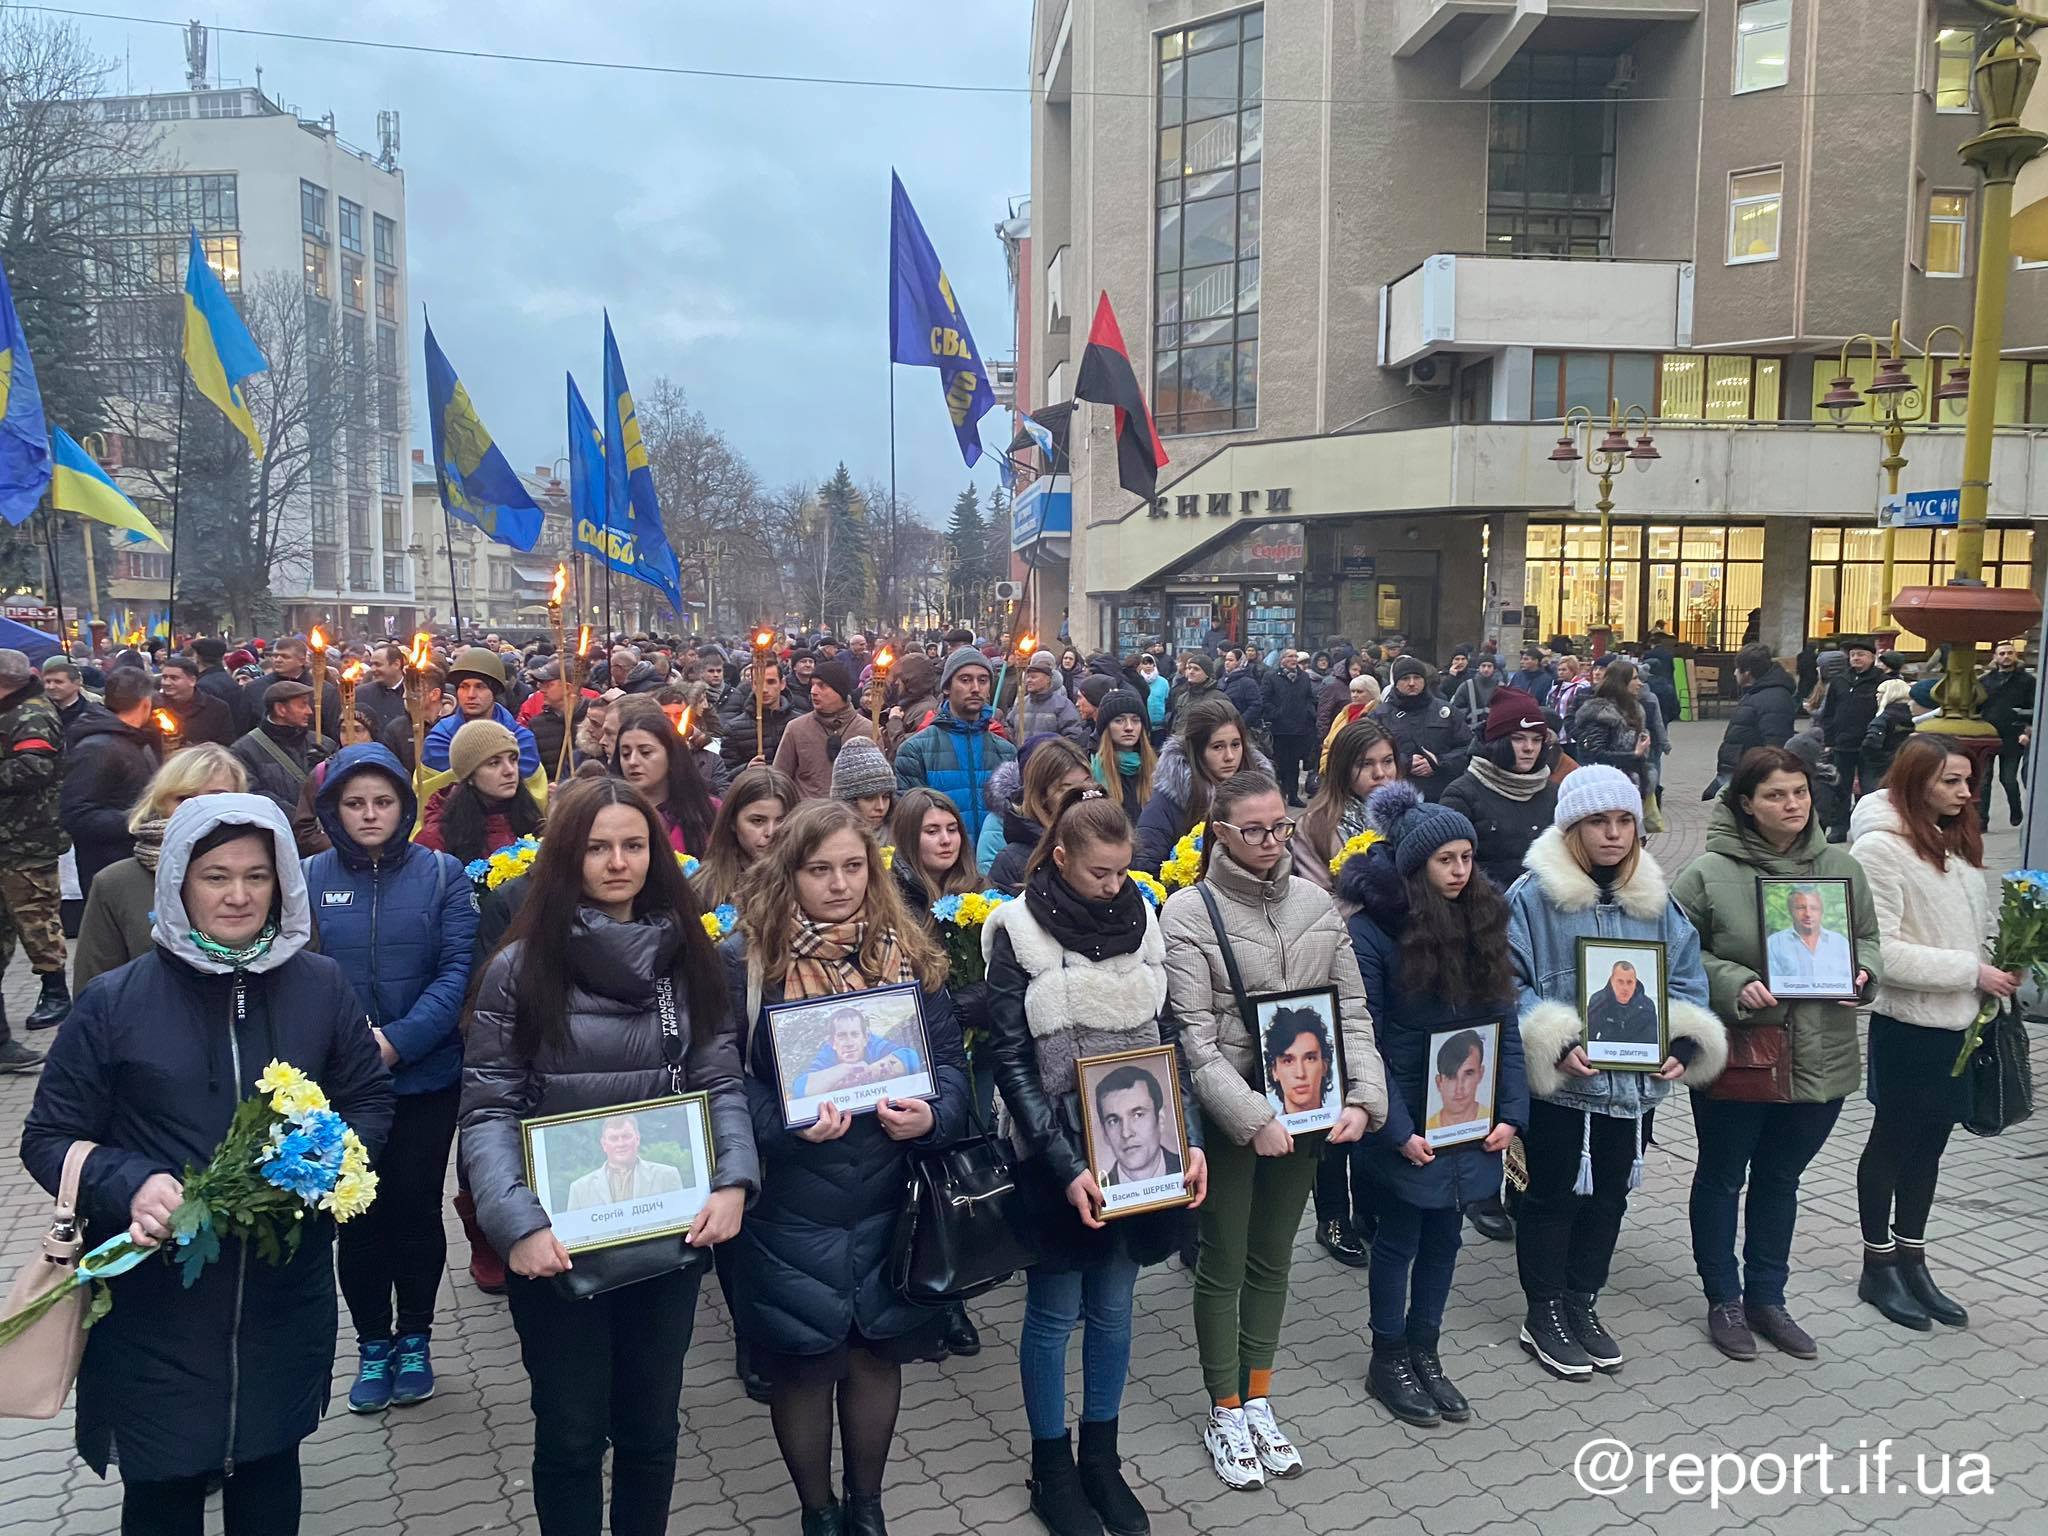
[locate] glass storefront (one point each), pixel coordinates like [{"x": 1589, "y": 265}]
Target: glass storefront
[
  {"x": 1699, "y": 580},
  {"x": 1845, "y": 592}
]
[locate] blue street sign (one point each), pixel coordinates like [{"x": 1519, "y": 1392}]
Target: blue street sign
[{"x": 1921, "y": 509}]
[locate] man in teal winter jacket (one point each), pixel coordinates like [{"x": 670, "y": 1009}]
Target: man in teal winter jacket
[{"x": 958, "y": 752}]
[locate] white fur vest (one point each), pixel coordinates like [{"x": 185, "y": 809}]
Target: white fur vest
[{"x": 1079, "y": 1007}]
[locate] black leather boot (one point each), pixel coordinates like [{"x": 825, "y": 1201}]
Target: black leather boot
[
  {"x": 1392, "y": 1379},
  {"x": 864, "y": 1514},
  {"x": 829, "y": 1521},
  {"x": 54, "y": 1006},
  {"x": 1912, "y": 1267},
  {"x": 962, "y": 1338},
  {"x": 1490, "y": 1219},
  {"x": 1057, "y": 1496},
  {"x": 1102, "y": 1479},
  {"x": 1884, "y": 1286},
  {"x": 1429, "y": 1370}
]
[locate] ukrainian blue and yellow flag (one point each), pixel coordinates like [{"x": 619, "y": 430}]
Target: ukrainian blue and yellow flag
[
  {"x": 926, "y": 327},
  {"x": 631, "y": 506},
  {"x": 218, "y": 348},
  {"x": 24, "y": 438},
  {"x": 79, "y": 485},
  {"x": 477, "y": 485}
]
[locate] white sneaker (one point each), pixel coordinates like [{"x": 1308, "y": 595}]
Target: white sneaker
[
  {"x": 1276, "y": 1452},
  {"x": 1230, "y": 1448}
]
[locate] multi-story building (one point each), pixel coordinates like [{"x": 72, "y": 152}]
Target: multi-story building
[
  {"x": 1368, "y": 253},
  {"x": 270, "y": 192}
]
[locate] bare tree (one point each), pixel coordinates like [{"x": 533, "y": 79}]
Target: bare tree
[{"x": 711, "y": 505}]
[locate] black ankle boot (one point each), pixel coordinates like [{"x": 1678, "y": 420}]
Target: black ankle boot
[
  {"x": 1883, "y": 1285},
  {"x": 1429, "y": 1370},
  {"x": 829, "y": 1521},
  {"x": 1102, "y": 1479},
  {"x": 1057, "y": 1495},
  {"x": 1912, "y": 1268},
  {"x": 962, "y": 1338},
  {"x": 864, "y": 1514},
  {"x": 54, "y": 1006},
  {"x": 1393, "y": 1381}
]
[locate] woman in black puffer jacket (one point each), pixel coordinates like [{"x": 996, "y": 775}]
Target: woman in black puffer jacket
[
  {"x": 570, "y": 1022},
  {"x": 822, "y": 1321}
]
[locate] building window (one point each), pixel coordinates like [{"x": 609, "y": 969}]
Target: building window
[
  {"x": 1755, "y": 199},
  {"x": 359, "y": 570},
  {"x": 316, "y": 271},
  {"x": 1693, "y": 387},
  {"x": 387, "y": 294},
  {"x": 387, "y": 349},
  {"x": 1699, "y": 580},
  {"x": 313, "y": 210},
  {"x": 1948, "y": 229},
  {"x": 323, "y": 518},
  {"x": 1846, "y": 591},
  {"x": 221, "y": 104},
  {"x": 1763, "y": 35},
  {"x": 387, "y": 240},
  {"x": 351, "y": 226},
  {"x": 394, "y": 523},
  {"x": 1205, "y": 357},
  {"x": 168, "y": 109},
  {"x": 394, "y": 573},
  {"x": 323, "y": 569},
  {"x": 1955, "y": 57},
  {"x": 1550, "y": 157},
  {"x": 352, "y": 282},
  {"x": 387, "y": 469}
]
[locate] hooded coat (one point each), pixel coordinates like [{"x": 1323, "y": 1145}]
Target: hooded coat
[
  {"x": 1718, "y": 892},
  {"x": 1550, "y": 909},
  {"x": 1403, "y": 1024},
  {"x": 1763, "y": 717},
  {"x": 1052, "y": 715},
  {"x": 403, "y": 926},
  {"x": 151, "y": 1065},
  {"x": 1165, "y": 819},
  {"x": 1020, "y": 833}
]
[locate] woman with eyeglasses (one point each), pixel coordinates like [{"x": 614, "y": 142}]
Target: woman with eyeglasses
[{"x": 1279, "y": 934}]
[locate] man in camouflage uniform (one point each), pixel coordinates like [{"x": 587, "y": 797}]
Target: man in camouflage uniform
[{"x": 31, "y": 842}]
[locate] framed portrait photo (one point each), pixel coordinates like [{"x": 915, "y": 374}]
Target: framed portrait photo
[
  {"x": 1298, "y": 1045},
  {"x": 622, "y": 1174},
  {"x": 856, "y": 1050},
  {"x": 1809, "y": 937},
  {"x": 1625, "y": 1003},
  {"x": 1131, "y": 1121},
  {"x": 1464, "y": 1076}
]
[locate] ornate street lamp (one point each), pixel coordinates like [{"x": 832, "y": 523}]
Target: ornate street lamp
[{"x": 1605, "y": 461}]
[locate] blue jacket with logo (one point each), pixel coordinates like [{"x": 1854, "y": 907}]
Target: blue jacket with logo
[
  {"x": 436, "y": 753},
  {"x": 402, "y": 928},
  {"x": 956, "y": 757}
]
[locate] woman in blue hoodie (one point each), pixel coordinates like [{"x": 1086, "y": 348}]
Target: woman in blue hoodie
[{"x": 400, "y": 921}]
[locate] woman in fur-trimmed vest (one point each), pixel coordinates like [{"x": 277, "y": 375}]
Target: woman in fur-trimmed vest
[
  {"x": 1590, "y": 878},
  {"x": 1077, "y": 968}
]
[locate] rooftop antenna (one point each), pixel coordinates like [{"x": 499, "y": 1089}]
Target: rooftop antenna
[
  {"x": 387, "y": 139},
  {"x": 195, "y": 56}
]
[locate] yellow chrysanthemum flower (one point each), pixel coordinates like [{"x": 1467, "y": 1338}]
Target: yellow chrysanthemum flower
[
  {"x": 713, "y": 928},
  {"x": 355, "y": 1157},
  {"x": 1149, "y": 883},
  {"x": 298, "y": 1098},
  {"x": 279, "y": 1074},
  {"x": 889, "y": 857},
  {"x": 353, "y": 1194},
  {"x": 1356, "y": 845}
]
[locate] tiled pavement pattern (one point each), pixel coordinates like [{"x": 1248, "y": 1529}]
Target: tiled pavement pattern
[{"x": 460, "y": 1462}]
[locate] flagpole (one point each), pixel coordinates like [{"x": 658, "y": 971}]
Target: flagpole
[
  {"x": 177, "y": 491},
  {"x": 892, "y": 469},
  {"x": 56, "y": 576},
  {"x": 448, "y": 542}
]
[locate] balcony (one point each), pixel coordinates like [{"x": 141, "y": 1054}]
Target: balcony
[
  {"x": 1457, "y": 303},
  {"x": 1491, "y": 32}
]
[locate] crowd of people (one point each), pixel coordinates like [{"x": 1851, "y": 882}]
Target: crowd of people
[{"x": 1430, "y": 852}]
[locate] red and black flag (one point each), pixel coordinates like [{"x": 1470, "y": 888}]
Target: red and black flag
[{"x": 1107, "y": 378}]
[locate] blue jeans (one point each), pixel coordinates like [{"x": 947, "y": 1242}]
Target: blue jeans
[
  {"x": 1054, "y": 1302},
  {"x": 1414, "y": 1254},
  {"x": 1769, "y": 1145}
]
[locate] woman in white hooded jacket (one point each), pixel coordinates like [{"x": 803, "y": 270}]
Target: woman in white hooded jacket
[
  {"x": 1589, "y": 877},
  {"x": 1919, "y": 843}
]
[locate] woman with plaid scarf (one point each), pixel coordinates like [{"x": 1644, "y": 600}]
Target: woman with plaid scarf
[{"x": 820, "y": 917}]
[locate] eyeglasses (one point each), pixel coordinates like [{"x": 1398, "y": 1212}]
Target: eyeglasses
[{"x": 1259, "y": 837}]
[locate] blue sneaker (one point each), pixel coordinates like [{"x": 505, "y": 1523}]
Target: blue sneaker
[
  {"x": 372, "y": 1391},
  {"x": 415, "y": 1379}
]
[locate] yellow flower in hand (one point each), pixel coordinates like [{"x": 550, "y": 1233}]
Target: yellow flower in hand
[
  {"x": 300, "y": 1098},
  {"x": 355, "y": 1157},
  {"x": 353, "y": 1194},
  {"x": 279, "y": 1074}
]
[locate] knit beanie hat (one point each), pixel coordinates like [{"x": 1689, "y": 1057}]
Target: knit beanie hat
[
  {"x": 1116, "y": 702},
  {"x": 1590, "y": 790},
  {"x": 966, "y": 656},
  {"x": 1408, "y": 666},
  {"x": 1413, "y": 827},
  {"x": 860, "y": 769},
  {"x": 1044, "y": 661},
  {"x": 1203, "y": 661},
  {"x": 475, "y": 742},
  {"x": 1095, "y": 690},
  {"x": 836, "y": 675},
  {"x": 1513, "y": 710}
]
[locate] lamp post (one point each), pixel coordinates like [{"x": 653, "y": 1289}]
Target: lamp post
[
  {"x": 1901, "y": 401},
  {"x": 1604, "y": 462}
]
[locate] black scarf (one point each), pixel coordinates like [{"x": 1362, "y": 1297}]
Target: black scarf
[{"x": 1095, "y": 929}]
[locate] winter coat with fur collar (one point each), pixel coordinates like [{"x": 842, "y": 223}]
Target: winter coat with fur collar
[
  {"x": 1550, "y": 909},
  {"x": 1931, "y": 922}
]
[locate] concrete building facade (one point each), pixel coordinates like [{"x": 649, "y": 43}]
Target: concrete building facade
[{"x": 1367, "y": 254}]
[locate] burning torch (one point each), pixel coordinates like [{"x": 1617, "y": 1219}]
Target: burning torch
[
  {"x": 764, "y": 647},
  {"x": 316, "y": 641},
  {"x": 417, "y": 660},
  {"x": 350, "y": 676},
  {"x": 572, "y": 695},
  {"x": 168, "y": 728},
  {"x": 1026, "y": 644},
  {"x": 878, "y": 691}
]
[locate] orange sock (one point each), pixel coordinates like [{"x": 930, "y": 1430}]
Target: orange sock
[
  {"x": 1232, "y": 1401},
  {"x": 1261, "y": 1384}
]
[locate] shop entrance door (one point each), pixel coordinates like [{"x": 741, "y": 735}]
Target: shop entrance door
[{"x": 1407, "y": 600}]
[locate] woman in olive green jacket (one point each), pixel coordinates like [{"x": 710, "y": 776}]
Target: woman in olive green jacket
[{"x": 1791, "y": 1063}]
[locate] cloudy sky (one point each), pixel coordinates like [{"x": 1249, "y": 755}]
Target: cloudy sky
[{"x": 738, "y": 230}]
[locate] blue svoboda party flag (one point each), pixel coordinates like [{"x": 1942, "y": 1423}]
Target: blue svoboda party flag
[
  {"x": 218, "y": 348},
  {"x": 477, "y": 485},
  {"x": 632, "y": 510},
  {"x": 617, "y": 548},
  {"x": 24, "y": 437},
  {"x": 926, "y": 328}
]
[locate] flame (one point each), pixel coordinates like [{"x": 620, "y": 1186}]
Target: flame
[
  {"x": 422, "y": 654},
  {"x": 683, "y": 722},
  {"x": 884, "y": 659},
  {"x": 1026, "y": 644},
  {"x": 167, "y": 723},
  {"x": 561, "y": 586},
  {"x": 583, "y": 641},
  {"x": 764, "y": 639},
  {"x": 353, "y": 673},
  {"x": 317, "y": 639}
]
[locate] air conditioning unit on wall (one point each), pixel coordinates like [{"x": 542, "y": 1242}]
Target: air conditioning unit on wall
[
  {"x": 1431, "y": 372},
  {"x": 1009, "y": 591}
]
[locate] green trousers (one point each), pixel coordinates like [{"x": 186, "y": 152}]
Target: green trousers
[{"x": 1248, "y": 1225}]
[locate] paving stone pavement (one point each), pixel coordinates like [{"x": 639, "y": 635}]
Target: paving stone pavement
[{"x": 460, "y": 1462}]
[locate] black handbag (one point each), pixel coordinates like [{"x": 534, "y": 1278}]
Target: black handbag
[
  {"x": 961, "y": 1230},
  {"x": 2000, "y": 1074},
  {"x": 609, "y": 1269}
]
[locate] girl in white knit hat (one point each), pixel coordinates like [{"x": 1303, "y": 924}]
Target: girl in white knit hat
[{"x": 1589, "y": 877}]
